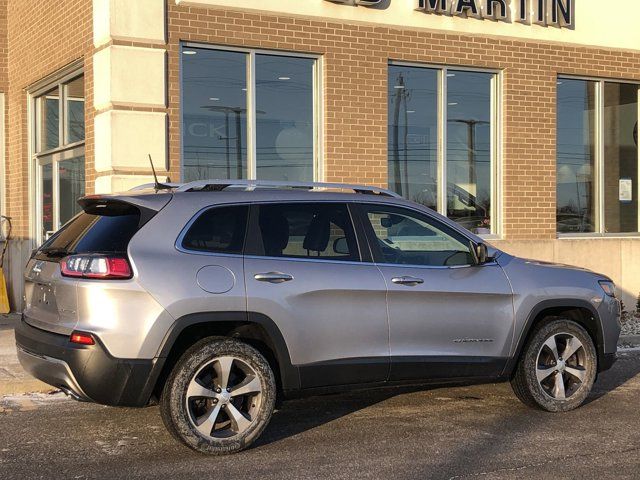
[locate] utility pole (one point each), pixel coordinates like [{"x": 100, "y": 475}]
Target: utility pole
[{"x": 397, "y": 100}]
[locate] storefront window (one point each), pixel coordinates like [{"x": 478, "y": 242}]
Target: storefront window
[
  {"x": 59, "y": 151},
  {"x": 620, "y": 158},
  {"x": 576, "y": 156},
  {"x": 469, "y": 149},
  {"x": 49, "y": 120},
  {"x": 214, "y": 109},
  {"x": 456, "y": 176},
  {"x": 47, "y": 197},
  {"x": 413, "y": 133},
  {"x": 284, "y": 129},
  {"x": 74, "y": 98},
  {"x": 248, "y": 114},
  {"x": 71, "y": 182},
  {"x": 597, "y": 188}
]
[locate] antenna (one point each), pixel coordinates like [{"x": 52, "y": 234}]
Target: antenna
[{"x": 157, "y": 185}]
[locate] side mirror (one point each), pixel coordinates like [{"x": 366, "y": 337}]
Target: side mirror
[
  {"x": 480, "y": 253},
  {"x": 341, "y": 246}
]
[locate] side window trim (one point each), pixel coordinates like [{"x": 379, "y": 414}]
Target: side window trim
[
  {"x": 253, "y": 240},
  {"x": 365, "y": 233},
  {"x": 372, "y": 238},
  {"x": 180, "y": 240}
]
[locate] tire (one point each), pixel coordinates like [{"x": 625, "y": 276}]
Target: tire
[
  {"x": 547, "y": 380},
  {"x": 205, "y": 416}
]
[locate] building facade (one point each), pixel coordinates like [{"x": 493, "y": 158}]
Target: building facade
[{"x": 516, "y": 118}]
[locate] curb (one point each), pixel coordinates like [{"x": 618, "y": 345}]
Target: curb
[{"x": 629, "y": 340}]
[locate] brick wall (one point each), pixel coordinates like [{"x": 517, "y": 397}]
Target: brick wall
[
  {"x": 355, "y": 93},
  {"x": 42, "y": 37}
]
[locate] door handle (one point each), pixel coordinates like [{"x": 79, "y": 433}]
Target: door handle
[
  {"x": 273, "y": 277},
  {"x": 408, "y": 281}
]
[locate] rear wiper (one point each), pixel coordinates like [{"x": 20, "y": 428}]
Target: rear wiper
[{"x": 55, "y": 252}]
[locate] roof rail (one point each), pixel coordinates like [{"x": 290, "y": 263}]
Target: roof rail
[
  {"x": 146, "y": 186},
  {"x": 219, "y": 185}
]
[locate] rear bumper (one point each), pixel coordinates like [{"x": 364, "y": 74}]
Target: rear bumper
[{"x": 88, "y": 373}]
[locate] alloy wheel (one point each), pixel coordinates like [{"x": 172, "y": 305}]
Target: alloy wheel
[
  {"x": 223, "y": 397},
  {"x": 561, "y": 366}
]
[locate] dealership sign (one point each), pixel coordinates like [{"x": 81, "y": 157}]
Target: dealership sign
[{"x": 557, "y": 13}]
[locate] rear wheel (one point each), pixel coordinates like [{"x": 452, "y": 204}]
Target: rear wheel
[
  {"x": 557, "y": 368},
  {"x": 219, "y": 397}
]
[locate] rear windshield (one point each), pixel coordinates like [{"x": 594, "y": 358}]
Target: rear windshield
[{"x": 101, "y": 230}]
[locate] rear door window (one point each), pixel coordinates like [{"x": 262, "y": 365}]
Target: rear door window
[
  {"x": 322, "y": 231},
  {"x": 218, "y": 230}
]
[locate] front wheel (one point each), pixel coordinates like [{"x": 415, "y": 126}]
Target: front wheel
[
  {"x": 219, "y": 397},
  {"x": 557, "y": 368}
]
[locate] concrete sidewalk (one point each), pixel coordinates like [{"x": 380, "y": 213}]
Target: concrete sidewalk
[{"x": 13, "y": 379}]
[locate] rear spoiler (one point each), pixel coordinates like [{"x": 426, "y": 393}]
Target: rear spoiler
[{"x": 147, "y": 204}]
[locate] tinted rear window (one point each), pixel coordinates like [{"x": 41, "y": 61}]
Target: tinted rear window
[
  {"x": 108, "y": 231},
  {"x": 218, "y": 230}
]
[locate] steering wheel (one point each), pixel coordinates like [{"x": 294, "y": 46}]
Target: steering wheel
[{"x": 390, "y": 254}]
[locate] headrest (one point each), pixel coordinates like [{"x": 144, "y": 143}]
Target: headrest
[
  {"x": 317, "y": 238},
  {"x": 275, "y": 232}
]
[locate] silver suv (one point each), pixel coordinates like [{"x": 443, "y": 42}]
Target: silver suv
[{"x": 213, "y": 298}]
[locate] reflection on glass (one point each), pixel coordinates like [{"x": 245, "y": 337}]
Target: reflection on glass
[
  {"x": 49, "y": 126},
  {"x": 75, "y": 110},
  {"x": 413, "y": 133},
  {"x": 71, "y": 185},
  {"x": 46, "y": 189},
  {"x": 576, "y": 156},
  {"x": 469, "y": 149},
  {"x": 214, "y": 114},
  {"x": 284, "y": 118},
  {"x": 620, "y": 158}
]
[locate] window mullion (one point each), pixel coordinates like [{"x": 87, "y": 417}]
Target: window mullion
[
  {"x": 318, "y": 162},
  {"x": 251, "y": 116},
  {"x": 61, "y": 114},
  {"x": 495, "y": 156},
  {"x": 599, "y": 173},
  {"x": 442, "y": 140}
]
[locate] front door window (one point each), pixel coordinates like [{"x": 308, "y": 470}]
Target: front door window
[{"x": 404, "y": 237}]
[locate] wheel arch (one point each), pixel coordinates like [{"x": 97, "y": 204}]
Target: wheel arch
[
  {"x": 580, "y": 311},
  {"x": 255, "y": 329}
]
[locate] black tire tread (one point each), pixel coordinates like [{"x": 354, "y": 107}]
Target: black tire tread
[
  {"x": 171, "y": 398},
  {"x": 524, "y": 387}
]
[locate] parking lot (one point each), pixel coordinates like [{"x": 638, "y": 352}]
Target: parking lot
[{"x": 453, "y": 432}]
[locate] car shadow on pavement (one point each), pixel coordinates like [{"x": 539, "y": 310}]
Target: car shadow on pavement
[
  {"x": 626, "y": 367},
  {"x": 300, "y": 415}
]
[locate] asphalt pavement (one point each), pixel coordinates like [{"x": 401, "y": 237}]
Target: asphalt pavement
[{"x": 450, "y": 433}]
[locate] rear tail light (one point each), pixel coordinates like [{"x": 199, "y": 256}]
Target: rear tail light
[
  {"x": 82, "y": 338},
  {"x": 96, "y": 266}
]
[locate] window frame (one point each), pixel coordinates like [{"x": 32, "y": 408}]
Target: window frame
[
  {"x": 254, "y": 247},
  {"x": 372, "y": 238},
  {"x": 53, "y": 156},
  {"x": 599, "y": 160},
  {"x": 318, "y": 106},
  {"x": 496, "y": 148}
]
